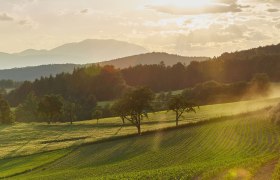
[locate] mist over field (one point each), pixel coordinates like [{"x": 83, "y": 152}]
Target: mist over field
[{"x": 140, "y": 89}]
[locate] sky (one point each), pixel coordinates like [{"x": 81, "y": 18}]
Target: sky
[{"x": 184, "y": 27}]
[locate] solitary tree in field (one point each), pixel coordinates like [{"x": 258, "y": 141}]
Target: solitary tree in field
[
  {"x": 50, "y": 106},
  {"x": 97, "y": 114},
  {"x": 179, "y": 105},
  {"x": 5, "y": 112},
  {"x": 118, "y": 109},
  {"x": 69, "y": 111},
  {"x": 133, "y": 106}
]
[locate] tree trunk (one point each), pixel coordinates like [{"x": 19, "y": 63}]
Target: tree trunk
[
  {"x": 177, "y": 119},
  {"x": 139, "y": 129},
  {"x": 49, "y": 119},
  {"x": 122, "y": 120}
]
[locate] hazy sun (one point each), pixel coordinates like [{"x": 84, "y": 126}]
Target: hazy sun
[{"x": 186, "y": 3}]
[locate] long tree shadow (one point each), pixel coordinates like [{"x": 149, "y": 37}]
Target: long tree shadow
[
  {"x": 118, "y": 130},
  {"x": 68, "y": 127},
  {"x": 14, "y": 152},
  {"x": 3, "y": 127}
]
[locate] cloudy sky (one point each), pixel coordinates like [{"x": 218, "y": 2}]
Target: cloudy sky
[{"x": 185, "y": 27}]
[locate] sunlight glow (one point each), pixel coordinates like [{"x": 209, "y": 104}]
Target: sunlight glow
[{"x": 190, "y": 4}]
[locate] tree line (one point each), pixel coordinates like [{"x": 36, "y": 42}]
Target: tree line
[
  {"x": 85, "y": 86},
  {"x": 133, "y": 107},
  {"x": 54, "y": 108},
  {"x": 9, "y": 84},
  {"x": 223, "y": 79},
  {"x": 228, "y": 68},
  {"x": 107, "y": 83}
]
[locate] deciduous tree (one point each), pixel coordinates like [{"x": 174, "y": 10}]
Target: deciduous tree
[
  {"x": 5, "y": 112},
  {"x": 50, "y": 106},
  {"x": 179, "y": 105},
  {"x": 97, "y": 114},
  {"x": 134, "y": 105}
]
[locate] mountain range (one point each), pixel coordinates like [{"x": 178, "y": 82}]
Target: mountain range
[
  {"x": 87, "y": 51},
  {"x": 34, "y": 72}
]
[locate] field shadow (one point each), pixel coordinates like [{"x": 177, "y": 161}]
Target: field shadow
[
  {"x": 69, "y": 127},
  {"x": 13, "y": 152},
  {"x": 3, "y": 127},
  {"x": 118, "y": 130}
]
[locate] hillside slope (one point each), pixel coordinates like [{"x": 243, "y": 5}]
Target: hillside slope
[
  {"x": 236, "y": 147},
  {"x": 22, "y": 139},
  {"x": 31, "y": 73},
  {"x": 151, "y": 58}
]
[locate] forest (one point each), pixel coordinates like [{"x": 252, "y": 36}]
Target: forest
[
  {"x": 228, "y": 78},
  {"x": 108, "y": 83}
]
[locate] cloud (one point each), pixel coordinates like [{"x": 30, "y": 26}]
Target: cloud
[
  {"x": 215, "y": 34},
  {"x": 219, "y": 6},
  {"x": 277, "y": 26},
  {"x": 66, "y": 12},
  {"x": 84, "y": 11},
  {"x": 28, "y": 22},
  {"x": 22, "y": 22},
  {"x": 272, "y": 10},
  {"x": 5, "y": 17},
  {"x": 269, "y": 1},
  {"x": 257, "y": 36}
]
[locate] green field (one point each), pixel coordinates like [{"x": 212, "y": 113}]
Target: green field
[{"x": 222, "y": 148}]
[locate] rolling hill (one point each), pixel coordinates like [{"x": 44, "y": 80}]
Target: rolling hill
[
  {"x": 151, "y": 58},
  {"x": 231, "y": 149},
  {"x": 87, "y": 51},
  {"x": 238, "y": 146},
  {"x": 31, "y": 73}
]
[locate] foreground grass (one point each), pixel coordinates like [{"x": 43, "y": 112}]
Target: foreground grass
[
  {"x": 14, "y": 166},
  {"x": 276, "y": 174},
  {"x": 240, "y": 143},
  {"x": 24, "y": 139}
]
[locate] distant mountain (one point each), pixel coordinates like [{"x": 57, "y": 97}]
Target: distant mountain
[
  {"x": 152, "y": 58},
  {"x": 259, "y": 51},
  {"x": 31, "y": 73},
  {"x": 87, "y": 51}
]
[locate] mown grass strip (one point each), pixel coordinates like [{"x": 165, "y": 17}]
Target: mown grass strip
[
  {"x": 15, "y": 166},
  {"x": 276, "y": 173}
]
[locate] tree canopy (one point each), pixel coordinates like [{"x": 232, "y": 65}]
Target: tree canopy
[
  {"x": 5, "y": 112},
  {"x": 179, "y": 104},
  {"x": 51, "y": 107},
  {"x": 134, "y": 106}
]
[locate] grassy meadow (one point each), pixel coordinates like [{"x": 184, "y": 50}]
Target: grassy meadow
[
  {"x": 226, "y": 148},
  {"x": 29, "y": 138},
  {"x": 54, "y": 151}
]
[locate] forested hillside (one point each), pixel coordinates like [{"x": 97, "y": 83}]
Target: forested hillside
[
  {"x": 107, "y": 83},
  {"x": 151, "y": 58},
  {"x": 35, "y": 72}
]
